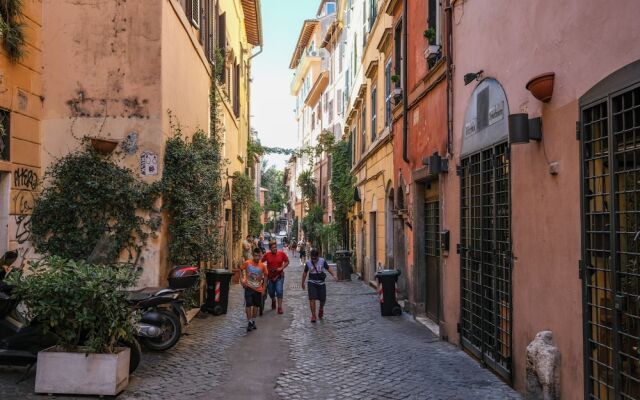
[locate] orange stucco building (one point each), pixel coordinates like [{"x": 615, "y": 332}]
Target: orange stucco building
[{"x": 21, "y": 113}]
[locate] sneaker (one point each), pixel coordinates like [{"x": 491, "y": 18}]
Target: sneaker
[
  {"x": 280, "y": 310},
  {"x": 313, "y": 319},
  {"x": 249, "y": 327},
  {"x": 253, "y": 325},
  {"x": 273, "y": 304},
  {"x": 321, "y": 313}
]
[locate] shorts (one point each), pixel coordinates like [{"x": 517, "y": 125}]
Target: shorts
[
  {"x": 252, "y": 298},
  {"x": 317, "y": 292},
  {"x": 276, "y": 288}
]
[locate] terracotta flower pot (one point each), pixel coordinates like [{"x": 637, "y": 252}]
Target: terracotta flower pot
[
  {"x": 104, "y": 146},
  {"x": 541, "y": 86}
]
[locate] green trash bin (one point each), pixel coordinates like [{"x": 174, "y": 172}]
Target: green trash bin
[
  {"x": 388, "y": 292},
  {"x": 343, "y": 265}
]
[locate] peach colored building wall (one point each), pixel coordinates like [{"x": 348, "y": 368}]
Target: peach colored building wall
[
  {"x": 111, "y": 70},
  {"x": 582, "y": 42},
  {"x": 21, "y": 97}
]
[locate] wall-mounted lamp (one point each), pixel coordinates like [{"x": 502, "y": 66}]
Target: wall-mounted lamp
[
  {"x": 470, "y": 77},
  {"x": 522, "y": 129},
  {"x": 437, "y": 165}
]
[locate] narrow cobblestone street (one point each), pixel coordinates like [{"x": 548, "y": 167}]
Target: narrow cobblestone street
[{"x": 353, "y": 353}]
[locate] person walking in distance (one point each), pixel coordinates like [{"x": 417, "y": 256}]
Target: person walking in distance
[
  {"x": 303, "y": 251},
  {"x": 314, "y": 268},
  {"x": 277, "y": 261},
  {"x": 254, "y": 280}
]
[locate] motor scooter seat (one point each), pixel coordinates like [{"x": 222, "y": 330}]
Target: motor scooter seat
[{"x": 141, "y": 294}]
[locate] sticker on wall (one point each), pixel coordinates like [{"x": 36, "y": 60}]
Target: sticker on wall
[
  {"x": 149, "y": 163},
  {"x": 130, "y": 143}
]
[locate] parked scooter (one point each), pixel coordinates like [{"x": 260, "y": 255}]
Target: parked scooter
[
  {"x": 22, "y": 339},
  {"x": 160, "y": 324}
]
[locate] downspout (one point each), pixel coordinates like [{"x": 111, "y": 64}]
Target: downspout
[
  {"x": 449, "y": 39},
  {"x": 405, "y": 85}
]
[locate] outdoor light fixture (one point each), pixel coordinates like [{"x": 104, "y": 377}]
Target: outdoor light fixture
[
  {"x": 522, "y": 129},
  {"x": 437, "y": 164},
  {"x": 470, "y": 77}
]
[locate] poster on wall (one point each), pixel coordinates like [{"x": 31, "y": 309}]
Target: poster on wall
[{"x": 149, "y": 163}]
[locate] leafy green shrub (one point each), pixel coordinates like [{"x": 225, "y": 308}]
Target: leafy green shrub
[
  {"x": 342, "y": 189},
  {"x": 85, "y": 196},
  {"x": 83, "y": 304},
  {"x": 255, "y": 227}
]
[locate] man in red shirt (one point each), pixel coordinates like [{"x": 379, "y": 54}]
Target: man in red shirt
[{"x": 276, "y": 261}]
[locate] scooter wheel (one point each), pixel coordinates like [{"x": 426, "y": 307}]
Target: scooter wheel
[
  {"x": 172, "y": 331},
  {"x": 135, "y": 354}
]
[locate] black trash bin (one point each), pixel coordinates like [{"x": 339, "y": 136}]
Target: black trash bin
[
  {"x": 387, "y": 290},
  {"x": 343, "y": 265},
  {"x": 217, "y": 293}
]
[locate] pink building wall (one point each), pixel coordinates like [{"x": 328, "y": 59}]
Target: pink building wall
[{"x": 582, "y": 41}]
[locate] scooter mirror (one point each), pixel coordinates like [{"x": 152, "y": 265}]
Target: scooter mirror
[{"x": 9, "y": 257}]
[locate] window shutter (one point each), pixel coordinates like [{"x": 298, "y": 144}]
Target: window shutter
[{"x": 195, "y": 12}]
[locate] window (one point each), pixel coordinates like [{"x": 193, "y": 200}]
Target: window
[
  {"x": 313, "y": 121},
  {"x": 340, "y": 57},
  {"x": 373, "y": 12},
  {"x": 355, "y": 54},
  {"x": 330, "y": 111},
  {"x": 363, "y": 129},
  {"x": 222, "y": 44},
  {"x": 433, "y": 20},
  {"x": 374, "y": 106},
  {"x": 5, "y": 135},
  {"x": 236, "y": 90},
  {"x": 339, "y": 101},
  {"x": 387, "y": 94},
  {"x": 352, "y": 146},
  {"x": 398, "y": 49},
  {"x": 331, "y": 8},
  {"x": 209, "y": 29},
  {"x": 193, "y": 12}
]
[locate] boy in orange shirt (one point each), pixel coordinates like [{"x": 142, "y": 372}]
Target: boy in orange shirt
[{"x": 254, "y": 280}]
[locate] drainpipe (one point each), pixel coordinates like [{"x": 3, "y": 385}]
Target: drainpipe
[
  {"x": 449, "y": 39},
  {"x": 405, "y": 94}
]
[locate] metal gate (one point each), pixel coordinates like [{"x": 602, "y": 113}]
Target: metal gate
[
  {"x": 611, "y": 245},
  {"x": 432, "y": 254},
  {"x": 485, "y": 257}
]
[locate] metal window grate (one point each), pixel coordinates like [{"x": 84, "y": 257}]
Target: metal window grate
[
  {"x": 5, "y": 135},
  {"x": 486, "y": 257},
  {"x": 611, "y": 224},
  {"x": 432, "y": 228}
]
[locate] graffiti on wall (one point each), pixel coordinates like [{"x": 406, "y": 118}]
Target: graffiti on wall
[
  {"x": 83, "y": 105},
  {"x": 25, "y": 178}
]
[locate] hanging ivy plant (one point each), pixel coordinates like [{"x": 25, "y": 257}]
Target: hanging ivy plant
[
  {"x": 192, "y": 190},
  {"x": 342, "y": 187},
  {"x": 255, "y": 227},
  {"x": 87, "y": 195},
  {"x": 192, "y": 196},
  {"x": 242, "y": 193},
  {"x": 12, "y": 28}
]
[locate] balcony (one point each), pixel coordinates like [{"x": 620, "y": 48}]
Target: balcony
[{"x": 308, "y": 58}]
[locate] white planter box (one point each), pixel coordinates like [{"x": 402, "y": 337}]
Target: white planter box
[{"x": 82, "y": 373}]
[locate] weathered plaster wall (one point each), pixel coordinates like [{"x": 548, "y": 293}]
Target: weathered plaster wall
[{"x": 512, "y": 42}]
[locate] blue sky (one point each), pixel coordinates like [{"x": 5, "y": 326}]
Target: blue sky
[{"x": 271, "y": 104}]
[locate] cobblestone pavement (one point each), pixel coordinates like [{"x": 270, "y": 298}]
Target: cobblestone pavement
[{"x": 354, "y": 353}]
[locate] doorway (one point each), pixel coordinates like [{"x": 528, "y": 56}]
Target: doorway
[
  {"x": 432, "y": 250},
  {"x": 610, "y": 164},
  {"x": 373, "y": 234},
  {"x": 485, "y": 257}
]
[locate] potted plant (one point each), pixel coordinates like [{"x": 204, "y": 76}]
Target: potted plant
[
  {"x": 104, "y": 146},
  {"x": 397, "y": 90},
  {"x": 432, "y": 50},
  {"x": 85, "y": 307}
]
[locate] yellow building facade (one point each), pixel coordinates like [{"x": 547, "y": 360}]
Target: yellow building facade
[
  {"x": 141, "y": 69},
  {"x": 20, "y": 133},
  {"x": 368, "y": 127}
]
